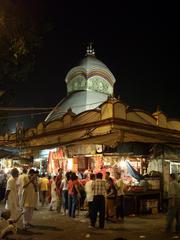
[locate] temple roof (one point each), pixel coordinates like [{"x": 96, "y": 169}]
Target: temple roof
[
  {"x": 78, "y": 102},
  {"x": 88, "y": 85}
]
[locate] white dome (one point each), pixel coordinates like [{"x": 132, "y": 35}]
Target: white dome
[
  {"x": 88, "y": 86},
  {"x": 89, "y": 66},
  {"x": 90, "y": 62}
]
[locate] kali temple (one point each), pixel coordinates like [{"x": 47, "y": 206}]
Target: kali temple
[{"x": 90, "y": 128}]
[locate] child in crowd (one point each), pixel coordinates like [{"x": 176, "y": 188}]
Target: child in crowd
[{"x": 6, "y": 224}]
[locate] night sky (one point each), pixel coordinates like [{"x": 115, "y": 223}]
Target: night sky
[{"x": 137, "y": 40}]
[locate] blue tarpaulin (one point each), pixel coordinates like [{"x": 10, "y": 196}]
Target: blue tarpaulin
[{"x": 133, "y": 172}]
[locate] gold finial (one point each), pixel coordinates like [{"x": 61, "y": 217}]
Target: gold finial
[{"x": 90, "y": 50}]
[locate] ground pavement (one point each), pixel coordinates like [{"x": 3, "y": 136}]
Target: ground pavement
[{"x": 50, "y": 225}]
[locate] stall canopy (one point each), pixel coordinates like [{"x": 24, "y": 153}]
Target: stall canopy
[
  {"x": 133, "y": 148},
  {"x": 146, "y": 149},
  {"x": 8, "y": 151},
  {"x": 165, "y": 151}
]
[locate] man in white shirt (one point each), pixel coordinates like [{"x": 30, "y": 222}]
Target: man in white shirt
[
  {"x": 20, "y": 185},
  {"x": 11, "y": 195},
  {"x": 90, "y": 195},
  {"x": 29, "y": 198}
]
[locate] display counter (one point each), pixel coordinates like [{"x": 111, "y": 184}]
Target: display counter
[{"x": 142, "y": 202}]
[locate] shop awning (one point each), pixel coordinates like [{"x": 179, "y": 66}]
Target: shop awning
[
  {"x": 8, "y": 151},
  {"x": 165, "y": 151},
  {"x": 134, "y": 148}
]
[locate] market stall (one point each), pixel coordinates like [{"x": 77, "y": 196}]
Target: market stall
[{"x": 143, "y": 193}]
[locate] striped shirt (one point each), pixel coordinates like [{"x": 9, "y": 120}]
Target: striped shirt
[{"x": 99, "y": 187}]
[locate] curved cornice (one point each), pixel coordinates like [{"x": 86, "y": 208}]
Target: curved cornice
[
  {"x": 136, "y": 110},
  {"x": 99, "y": 122},
  {"x": 95, "y": 71}
]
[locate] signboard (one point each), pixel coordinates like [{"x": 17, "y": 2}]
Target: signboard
[{"x": 83, "y": 149}]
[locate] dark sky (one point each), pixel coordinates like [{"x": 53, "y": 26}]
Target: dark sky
[{"x": 137, "y": 40}]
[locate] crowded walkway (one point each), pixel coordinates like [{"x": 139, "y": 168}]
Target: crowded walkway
[
  {"x": 52, "y": 225},
  {"x": 69, "y": 206}
]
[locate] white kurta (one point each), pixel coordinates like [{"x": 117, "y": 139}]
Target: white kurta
[
  {"x": 53, "y": 191},
  {"x": 12, "y": 201},
  {"x": 20, "y": 187},
  {"x": 89, "y": 191}
]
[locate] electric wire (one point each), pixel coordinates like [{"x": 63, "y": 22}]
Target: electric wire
[
  {"x": 24, "y": 115},
  {"x": 34, "y": 109}
]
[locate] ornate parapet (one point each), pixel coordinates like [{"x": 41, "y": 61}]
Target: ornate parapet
[{"x": 111, "y": 122}]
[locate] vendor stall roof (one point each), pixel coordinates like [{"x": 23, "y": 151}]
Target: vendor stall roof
[
  {"x": 8, "y": 151},
  {"x": 132, "y": 148}
]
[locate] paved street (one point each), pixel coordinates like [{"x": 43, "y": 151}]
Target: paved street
[{"x": 54, "y": 226}]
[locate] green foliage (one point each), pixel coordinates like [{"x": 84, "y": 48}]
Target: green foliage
[{"x": 22, "y": 28}]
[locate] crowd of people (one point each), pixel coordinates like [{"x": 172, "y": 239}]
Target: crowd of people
[{"x": 66, "y": 193}]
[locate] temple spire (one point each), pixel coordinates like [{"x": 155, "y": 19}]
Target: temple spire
[{"x": 90, "y": 50}]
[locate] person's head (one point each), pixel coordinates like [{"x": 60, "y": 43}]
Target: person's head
[
  {"x": 14, "y": 172},
  {"x": 68, "y": 175},
  {"x": 6, "y": 214},
  {"x": 73, "y": 176},
  {"x": 60, "y": 171},
  {"x": 92, "y": 176},
  {"x": 99, "y": 175},
  {"x": 172, "y": 176},
  {"x": 31, "y": 172},
  {"x": 107, "y": 176},
  {"x": 118, "y": 175},
  {"x": 24, "y": 170}
]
